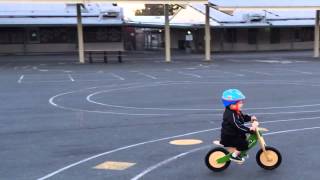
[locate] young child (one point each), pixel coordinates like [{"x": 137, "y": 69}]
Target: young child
[{"x": 233, "y": 132}]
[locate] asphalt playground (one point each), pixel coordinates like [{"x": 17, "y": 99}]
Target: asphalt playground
[{"x": 61, "y": 120}]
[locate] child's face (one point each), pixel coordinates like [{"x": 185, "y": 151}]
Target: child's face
[
  {"x": 237, "y": 107},
  {"x": 240, "y": 104}
]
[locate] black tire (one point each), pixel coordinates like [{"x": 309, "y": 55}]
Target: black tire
[
  {"x": 274, "y": 163},
  {"x": 209, "y": 155}
]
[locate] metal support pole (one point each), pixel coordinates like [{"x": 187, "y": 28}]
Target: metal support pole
[
  {"x": 167, "y": 34},
  {"x": 207, "y": 35},
  {"x": 317, "y": 34},
  {"x": 80, "y": 35}
]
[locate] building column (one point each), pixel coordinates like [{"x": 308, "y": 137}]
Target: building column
[
  {"x": 317, "y": 34},
  {"x": 80, "y": 35},
  {"x": 207, "y": 35},
  {"x": 167, "y": 34}
]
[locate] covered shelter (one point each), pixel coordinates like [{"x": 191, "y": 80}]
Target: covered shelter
[
  {"x": 221, "y": 5},
  {"x": 79, "y": 3},
  {"x": 286, "y": 5}
]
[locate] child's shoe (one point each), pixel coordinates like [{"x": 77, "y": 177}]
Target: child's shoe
[{"x": 237, "y": 159}]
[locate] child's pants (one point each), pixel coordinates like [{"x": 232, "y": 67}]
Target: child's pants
[{"x": 239, "y": 142}]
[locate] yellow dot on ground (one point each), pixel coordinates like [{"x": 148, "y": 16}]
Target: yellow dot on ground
[
  {"x": 185, "y": 142},
  {"x": 112, "y": 165}
]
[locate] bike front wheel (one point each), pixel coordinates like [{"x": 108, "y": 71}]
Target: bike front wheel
[{"x": 269, "y": 160}]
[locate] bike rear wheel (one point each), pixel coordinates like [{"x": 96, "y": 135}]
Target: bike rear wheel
[{"x": 212, "y": 157}]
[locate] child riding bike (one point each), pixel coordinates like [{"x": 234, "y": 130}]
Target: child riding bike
[{"x": 233, "y": 131}]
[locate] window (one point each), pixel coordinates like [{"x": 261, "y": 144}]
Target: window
[
  {"x": 11, "y": 36},
  {"x": 103, "y": 34},
  {"x": 252, "y": 36},
  {"x": 275, "y": 36},
  {"x": 231, "y": 35},
  {"x": 58, "y": 35},
  {"x": 304, "y": 34}
]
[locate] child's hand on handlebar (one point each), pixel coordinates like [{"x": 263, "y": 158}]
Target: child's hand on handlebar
[{"x": 253, "y": 128}]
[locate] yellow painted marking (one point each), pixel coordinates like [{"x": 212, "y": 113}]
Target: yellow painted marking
[
  {"x": 185, "y": 142},
  {"x": 112, "y": 165}
]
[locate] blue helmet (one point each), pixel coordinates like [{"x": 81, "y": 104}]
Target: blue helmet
[{"x": 232, "y": 96}]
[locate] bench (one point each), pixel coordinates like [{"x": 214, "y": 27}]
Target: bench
[
  {"x": 107, "y": 50},
  {"x": 105, "y": 54}
]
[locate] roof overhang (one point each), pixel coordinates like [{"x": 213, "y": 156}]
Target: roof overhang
[
  {"x": 107, "y": 1},
  {"x": 233, "y": 8}
]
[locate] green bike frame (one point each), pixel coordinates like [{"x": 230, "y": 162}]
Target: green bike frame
[{"x": 252, "y": 140}]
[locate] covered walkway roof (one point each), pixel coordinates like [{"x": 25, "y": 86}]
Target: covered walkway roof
[
  {"x": 265, "y": 4},
  {"x": 221, "y": 5}
]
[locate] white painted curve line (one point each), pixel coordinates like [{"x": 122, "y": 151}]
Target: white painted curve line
[
  {"x": 257, "y": 72},
  {"x": 147, "y": 142},
  {"x": 119, "y": 149},
  {"x": 190, "y": 74},
  {"x": 90, "y": 99},
  {"x": 167, "y": 161},
  {"x": 71, "y": 78},
  {"x": 117, "y": 76},
  {"x": 20, "y": 79},
  {"x": 51, "y": 101}
]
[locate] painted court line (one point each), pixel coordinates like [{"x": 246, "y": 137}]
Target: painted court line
[
  {"x": 301, "y": 72},
  {"x": 20, "y": 79},
  {"x": 190, "y": 74},
  {"x": 167, "y": 161},
  {"x": 147, "y": 75},
  {"x": 71, "y": 78},
  {"x": 148, "y": 142},
  {"x": 117, "y": 76},
  {"x": 257, "y": 72}
]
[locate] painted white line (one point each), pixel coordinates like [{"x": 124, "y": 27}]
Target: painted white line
[
  {"x": 226, "y": 72},
  {"x": 168, "y": 83},
  {"x": 20, "y": 79},
  {"x": 263, "y": 73},
  {"x": 119, "y": 149},
  {"x": 35, "y": 67},
  {"x": 70, "y": 77},
  {"x": 190, "y": 74},
  {"x": 301, "y": 72},
  {"x": 51, "y": 101},
  {"x": 291, "y": 130},
  {"x": 43, "y": 70},
  {"x": 168, "y": 70},
  {"x": 117, "y": 76},
  {"x": 148, "y": 170},
  {"x": 146, "y": 75},
  {"x": 167, "y": 161},
  {"x": 90, "y": 96},
  {"x": 25, "y": 67},
  {"x": 236, "y": 74},
  {"x": 139, "y": 144}
]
